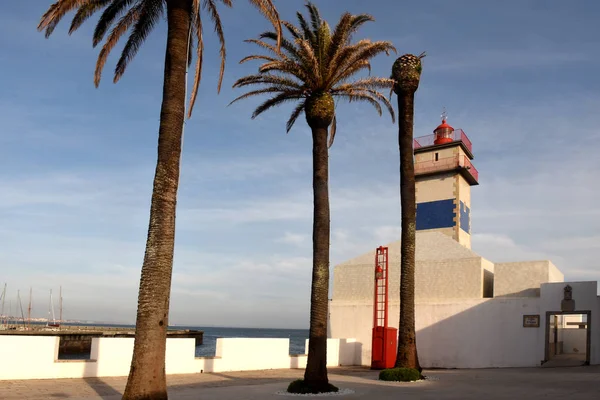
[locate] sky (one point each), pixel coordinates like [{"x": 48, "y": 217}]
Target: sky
[{"x": 77, "y": 163}]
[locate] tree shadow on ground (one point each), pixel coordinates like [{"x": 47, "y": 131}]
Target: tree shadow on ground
[
  {"x": 251, "y": 378},
  {"x": 101, "y": 388}
]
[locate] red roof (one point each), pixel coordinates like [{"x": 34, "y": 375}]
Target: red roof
[{"x": 444, "y": 125}]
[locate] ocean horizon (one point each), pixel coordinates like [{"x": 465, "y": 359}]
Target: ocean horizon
[{"x": 211, "y": 334}]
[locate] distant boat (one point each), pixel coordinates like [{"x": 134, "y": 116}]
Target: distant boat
[{"x": 54, "y": 324}]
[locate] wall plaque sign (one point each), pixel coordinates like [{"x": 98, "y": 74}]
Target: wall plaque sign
[{"x": 531, "y": 321}]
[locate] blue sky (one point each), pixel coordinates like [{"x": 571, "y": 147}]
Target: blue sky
[{"x": 520, "y": 77}]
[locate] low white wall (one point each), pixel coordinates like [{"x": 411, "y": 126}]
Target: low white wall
[
  {"x": 477, "y": 333},
  {"x": 574, "y": 341},
  {"x": 35, "y": 357}
]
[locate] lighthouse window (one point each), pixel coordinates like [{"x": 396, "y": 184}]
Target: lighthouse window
[{"x": 436, "y": 156}]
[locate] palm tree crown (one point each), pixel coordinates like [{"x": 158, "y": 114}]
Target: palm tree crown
[
  {"x": 317, "y": 62},
  {"x": 140, "y": 17}
]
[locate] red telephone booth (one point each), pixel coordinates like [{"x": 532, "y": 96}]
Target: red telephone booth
[{"x": 385, "y": 339}]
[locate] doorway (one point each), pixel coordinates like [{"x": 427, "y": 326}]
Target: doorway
[{"x": 568, "y": 338}]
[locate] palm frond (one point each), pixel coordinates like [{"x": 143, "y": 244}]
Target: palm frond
[
  {"x": 315, "y": 16},
  {"x": 357, "y": 22},
  {"x": 332, "y": 131},
  {"x": 361, "y": 96},
  {"x": 264, "y": 45},
  {"x": 56, "y": 12},
  {"x": 372, "y": 82},
  {"x": 85, "y": 12},
  {"x": 258, "y": 57},
  {"x": 274, "y": 101},
  {"x": 301, "y": 64},
  {"x": 339, "y": 32},
  {"x": 299, "y": 109},
  {"x": 115, "y": 9},
  {"x": 295, "y": 32},
  {"x": 267, "y": 79},
  {"x": 355, "y": 92},
  {"x": 284, "y": 43},
  {"x": 291, "y": 68},
  {"x": 366, "y": 52},
  {"x": 309, "y": 57},
  {"x": 113, "y": 38},
  {"x": 347, "y": 25},
  {"x": 267, "y": 8},
  {"x": 323, "y": 42},
  {"x": 271, "y": 89},
  {"x": 352, "y": 70},
  {"x": 342, "y": 55},
  {"x": 197, "y": 23},
  {"x": 307, "y": 34},
  {"x": 150, "y": 13},
  {"x": 216, "y": 19}
]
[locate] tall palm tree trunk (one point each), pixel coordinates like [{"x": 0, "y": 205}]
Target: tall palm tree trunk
[
  {"x": 147, "y": 379},
  {"x": 407, "y": 345},
  {"x": 315, "y": 374}
]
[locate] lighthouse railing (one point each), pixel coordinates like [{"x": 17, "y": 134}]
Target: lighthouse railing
[
  {"x": 446, "y": 164},
  {"x": 457, "y": 136}
]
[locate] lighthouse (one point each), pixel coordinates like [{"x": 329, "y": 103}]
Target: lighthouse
[{"x": 444, "y": 175}]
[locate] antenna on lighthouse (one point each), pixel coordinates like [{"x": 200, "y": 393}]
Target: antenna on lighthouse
[{"x": 444, "y": 114}]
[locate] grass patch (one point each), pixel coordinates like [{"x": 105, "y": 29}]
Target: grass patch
[
  {"x": 400, "y": 375},
  {"x": 300, "y": 387}
]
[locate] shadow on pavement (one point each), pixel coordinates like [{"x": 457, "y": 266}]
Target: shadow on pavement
[{"x": 101, "y": 388}]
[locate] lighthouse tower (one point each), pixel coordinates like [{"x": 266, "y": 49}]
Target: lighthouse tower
[{"x": 444, "y": 175}]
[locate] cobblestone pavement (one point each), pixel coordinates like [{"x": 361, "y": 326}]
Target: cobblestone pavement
[{"x": 512, "y": 383}]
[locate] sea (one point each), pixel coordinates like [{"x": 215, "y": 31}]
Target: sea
[
  {"x": 208, "y": 347},
  {"x": 211, "y": 334}
]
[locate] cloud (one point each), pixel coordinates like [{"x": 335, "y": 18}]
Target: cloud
[
  {"x": 296, "y": 239},
  {"x": 224, "y": 167},
  {"x": 502, "y": 248}
]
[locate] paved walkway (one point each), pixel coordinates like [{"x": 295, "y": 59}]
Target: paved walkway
[
  {"x": 490, "y": 384},
  {"x": 565, "y": 360}
]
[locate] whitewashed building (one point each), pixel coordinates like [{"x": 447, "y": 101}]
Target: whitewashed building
[{"x": 470, "y": 312}]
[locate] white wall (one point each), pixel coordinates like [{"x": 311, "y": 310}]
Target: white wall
[
  {"x": 476, "y": 333},
  {"x": 35, "y": 357}
]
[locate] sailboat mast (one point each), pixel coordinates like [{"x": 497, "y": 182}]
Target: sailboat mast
[
  {"x": 29, "y": 312},
  {"x": 21, "y": 306},
  {"x": 50, "y": 308},
  {"x": 60, "y": 318},
  {"x": 2, "y": 316}
]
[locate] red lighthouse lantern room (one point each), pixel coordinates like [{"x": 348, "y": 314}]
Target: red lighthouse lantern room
[{"x": 444, "y": 132}]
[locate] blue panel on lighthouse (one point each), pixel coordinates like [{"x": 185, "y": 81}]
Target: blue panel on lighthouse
[
  {"x": 465, "y": 217},
  {"x": 435, "y": 214}
]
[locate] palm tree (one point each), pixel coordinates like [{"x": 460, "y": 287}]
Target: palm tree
[
  {"x": 313, "y": 68},
  {"x": 406, "y": 73},
  {"x": 147, "y": 374}
]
